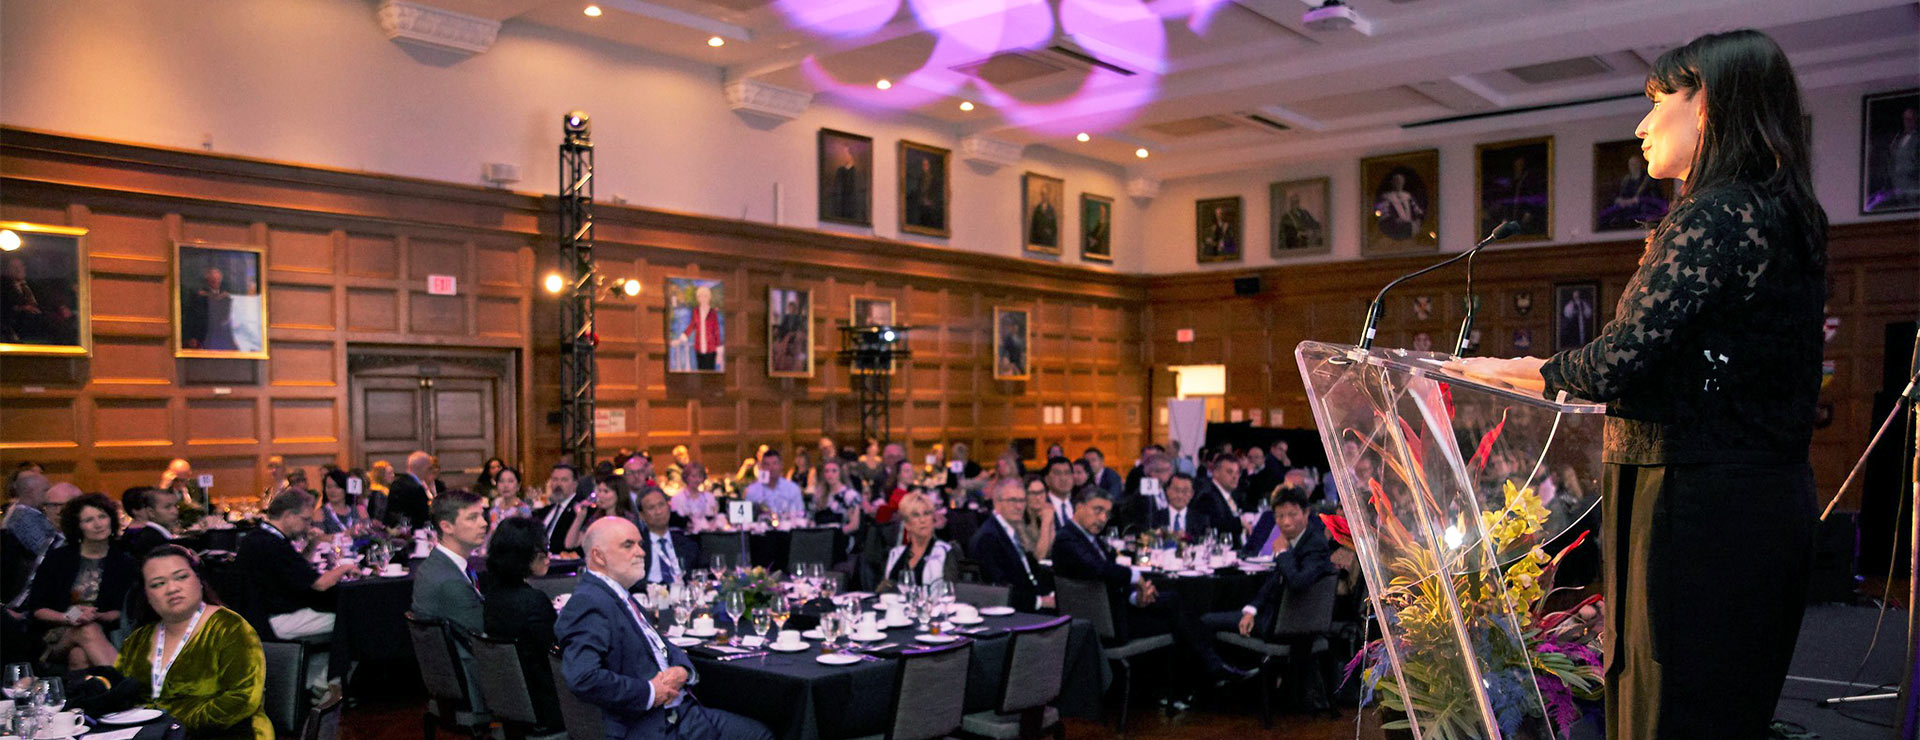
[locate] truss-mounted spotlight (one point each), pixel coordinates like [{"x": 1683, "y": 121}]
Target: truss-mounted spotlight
[
  {"x": 630, "y": 287},
  {"x": 555, "y": 283},
  {"x": 577, "y": 126},
  {"x": 9, "y": 240}
]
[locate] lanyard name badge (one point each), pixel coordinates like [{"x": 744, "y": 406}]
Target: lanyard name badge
[{"x": 163, "y": 664}]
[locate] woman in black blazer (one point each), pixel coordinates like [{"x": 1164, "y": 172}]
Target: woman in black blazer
[
  {"x": 519, "y": 612},
  {"x": 81, "y": 587}
]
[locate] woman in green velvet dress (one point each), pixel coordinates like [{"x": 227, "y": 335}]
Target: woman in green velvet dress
[{"x": 201, "y": 663}]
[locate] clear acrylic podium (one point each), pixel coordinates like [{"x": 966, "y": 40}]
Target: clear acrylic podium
[{"x": 1416, "y": 460}]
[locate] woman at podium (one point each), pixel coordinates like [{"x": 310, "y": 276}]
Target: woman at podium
[{"x": 1710, "y": 370}]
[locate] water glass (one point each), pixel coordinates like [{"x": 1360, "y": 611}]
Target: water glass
[
  {"x": 718, "y": 566},
  {"x": 18, "y": 680},
  {"x": 762, "y": 621},
  {"x": 49, "y": 695}
]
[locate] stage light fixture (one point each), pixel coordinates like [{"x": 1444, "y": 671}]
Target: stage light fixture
[
  {"x": 1141, "y": 152},
  {"x": 630, "y": 287},
  {"x": 884, "y": 84},
  {"x": 577, "y": 123},
  {"x": 592, "y": 11},
  {"x": 966, "y": 105},
  {"x": 716, "y": 42},
  {"x": 9, "y": 241},
  {"x": 1083, "y": 137},
  {"x": 555, "y": 283}
]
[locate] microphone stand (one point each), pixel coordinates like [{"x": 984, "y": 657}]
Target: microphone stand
[
  {"x": 1466, "y": 324},
  {"x": 1373, "y": 309}
]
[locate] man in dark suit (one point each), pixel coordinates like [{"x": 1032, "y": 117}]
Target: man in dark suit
[
  {"x": 1103, "y": 476},
  {"x": 1058, "y": 477},
  {"x": 1179, "y": 516},
  {"x": 1003, "y": 562},
  {"x": 444, "y": 587},
  {"x": 407, "y": 498},
  {"x": 293, "y": 596},
  {"x": 154, "y": 513},
  {"x": 1262, "y": 473},
  {"x": 1302, "y": 556},
  {"x": 557, "y": 516},
  {"x": 671, "y": 553},
  {"x": 613, "y": 658},
  {"x": 1146, "y": 496},
  {"x": 1223, "y": 497},
  {"x": 1139, "y": 609}
]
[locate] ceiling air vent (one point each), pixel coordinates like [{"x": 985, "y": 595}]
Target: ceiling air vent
[
  {"x": 1010, "y": 68},
  {"x": 1267, "y": 122},
  {"x": 1089, "y": 60},
  {"x": 1565, "y": 69},
  {"x": 1192, "y": 126}
]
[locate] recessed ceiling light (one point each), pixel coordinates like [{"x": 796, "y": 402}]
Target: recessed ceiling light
[
  {"x": 592, "y": 11},
  {"x": 716, "y": 42},
  {"x": 966, "y": 105},
  {"x": 884, "y": 84},
  {"x": 1141, "y": 152},
  {"x": 1083, "y": 137}
]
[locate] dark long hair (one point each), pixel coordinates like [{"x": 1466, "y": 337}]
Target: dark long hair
[{"x": 1756, "y": 134}]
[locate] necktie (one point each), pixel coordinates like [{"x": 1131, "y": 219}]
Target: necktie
[
  {"x": 1180, "y": 521},
  {"x": 662, "y": 551},
  {"x": 1015, "y": 538}
]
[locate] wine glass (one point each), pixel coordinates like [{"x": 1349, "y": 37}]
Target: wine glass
[
  {"x": 19, "y": 680},
  {"x": 736, "y": 603},
  {"x": 49, "y": 695},
  {"x": 717, "y": 566},
  {"x": 682, "y": 611},
  {"x": 762, "y": 621},
  {"x": 782, "y": 610}
]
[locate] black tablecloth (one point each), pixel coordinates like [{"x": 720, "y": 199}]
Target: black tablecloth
[
  {"x": 1226, "y": 589},
  {"x": 800, "y": 699},
  {"x": 164, "y": 727},
  {"x": 370, "y": 618}
]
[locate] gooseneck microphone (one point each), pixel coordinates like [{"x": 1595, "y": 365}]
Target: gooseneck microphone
[{"x": 1373, "y": 309}]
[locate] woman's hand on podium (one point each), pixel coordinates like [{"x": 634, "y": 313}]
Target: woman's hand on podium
[{"x": 1519, "y": 372}]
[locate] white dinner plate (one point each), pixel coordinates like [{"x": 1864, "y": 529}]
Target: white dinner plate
[
  {"x": 935, "y": 639},
  {"x": 996, "y": 611},
  {"x": 1191, "y": 573},
  {"x": 901, "y": 622},
  {"x": 874, "y": 636},
  {"x": 131, "y": 717},
  {"x": 685, "y": 642},
  {"x": 702, "y": 633},
  {"x": 788, "y": 647},
  {"x": 838, "y": 659},
  {"x": 966, "y": 620},
  {"x": 812, "y": 635},
  {"x": 55, "y": 734}
]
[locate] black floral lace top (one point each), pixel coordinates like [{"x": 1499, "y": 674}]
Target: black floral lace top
[{"x": 1713, "y": 355}]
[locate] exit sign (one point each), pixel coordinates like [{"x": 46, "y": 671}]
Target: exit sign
[
  {"x": 441, "y": 285},
  {"x": 1183, "y": 335}
]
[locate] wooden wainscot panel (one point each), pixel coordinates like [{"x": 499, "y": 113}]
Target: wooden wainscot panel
[
  {"x": 131, "y": 299},
  {"x": 297, "y": 420},
  {"x": 499, "y": 266},
  {"x": 38, "y": 423},
  {"x": 132, "y": 422},
  {"x": 436, "y": 257},
  {"x": 297, "y": 364},
  {"x": 234, "y": 478},
  {"x": 132, "y": 360},
  {"x": 309, "y": 252},
  {"x": 372, "y": 309},
  {"x": 436, "y": 314},
  {"x": 217, "y": 232},
  {"x": 764, "y": 417},
  {"x": 140, "y": 238},
  {"x": 373, "y": 256},
  {"x": 218, "y": 421},
  {"x": 668, "y": 417},
  {"x": 718, "y": 416},
  {"x": 960, "y": 416},
  {"x": 808, "y": 417},
  {"x": 499, "y": 317},
  {"x": 292, "y": 306}
]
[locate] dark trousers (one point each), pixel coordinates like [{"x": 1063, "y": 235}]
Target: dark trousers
[
  {"x": 1168, "y": 615},
  {"x": 1706, "y": 577},
  {"x": 701, "y": 723},
  {"x": 706, "y": 361}
]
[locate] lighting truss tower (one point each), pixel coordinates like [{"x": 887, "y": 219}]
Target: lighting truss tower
[
  {"x": 577, "y": 337},
  {"x": 871, "y": 353}
]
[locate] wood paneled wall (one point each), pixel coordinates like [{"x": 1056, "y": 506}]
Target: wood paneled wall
[
  {"x": 348, "y": 256},
  {"x": 1874, "y": 280}
]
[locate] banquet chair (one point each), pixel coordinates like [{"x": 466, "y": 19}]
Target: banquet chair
[
  {"x": 1036, "y": 663},
  {"x": 553, "y": 586},
  {"x": 731, "y": 544},
  {"x": 284, "y": 694},
  {"x": 1302, "y": 624},
  {"x": 929, "y": 692},
  {"x": 504, "y": 684},
  {"x": 583, "y": 720},
  {"x": 1088, "y": 600},
  {"x": 323, "y": 723},
  {"x": 980, "y": 594},
  {"x": 811, "y": 545},
  {"x": 449, "y": 702}
]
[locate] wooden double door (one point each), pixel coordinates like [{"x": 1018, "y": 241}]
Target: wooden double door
[{"x": 458, "y": 406}]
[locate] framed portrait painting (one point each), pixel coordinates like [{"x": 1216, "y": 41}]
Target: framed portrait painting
[
  {"x": 696, "y": 325},
  {"x": 1011, "y": 338},
  {"x": 1402, "y": 193},
  {"x": 1576, "y": 314},
  {"x": 45, "y": 290},
  {"x": 846, "y": 178},
  {"x": 220, "y": 301},
  {"x": 869, "y": 311},
  {"x": 1625, "y": 197},
  {"x": 1299, "y": 221},
  {"x": 789, "y": 333},
  {"x": 924, "y": 186},
  {"x": 1096, "y": 228},
  {"x": 1041, "y": 198},
  {"x": 1514, "y": 182},
  {"x": 1890, "y": 152},
  {"x": 1219, "y": 230}
]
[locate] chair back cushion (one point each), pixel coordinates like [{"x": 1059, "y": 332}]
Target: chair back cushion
[
  {"x": 932, "y": 692},
  {"x": 731, "y": 544},
  {"x": 1036, "y": 661},
  {"x": 284, "y": 693},
  {"x": 497, "y": 668},
  {"x": 583, "y": 720},
  {"x": 1085, "y": 600},
  {"x": 323, "y": 723},
  {"x": 1308, "y": 611},
  {"x": 439, "y": 669},
  {"x": 980, "y": 594},
  {"x": 814, "y": 545}
]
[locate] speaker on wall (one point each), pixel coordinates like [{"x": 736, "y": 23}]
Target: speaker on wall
[{"x": 1249, "y": 285}]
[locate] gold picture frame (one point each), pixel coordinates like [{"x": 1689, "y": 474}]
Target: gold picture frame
[
  {"x": 1513, "y": 181},
  {"x": 219, "y": 301},
  {"x": 926, "y": 188},
  {"x": 1096, "y": 228},
  {"x": 1400, "y": 204},
  {"x": 789, "y": 332},
  {"x": 1012, "y": 343},
  {"x": 861, "y": 311},
  {"x": 45, "y": 268},
  {"x": 1041, "y": 200}
]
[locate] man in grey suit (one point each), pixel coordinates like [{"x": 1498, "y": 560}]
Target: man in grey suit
[{"x": 443, "y": 584}]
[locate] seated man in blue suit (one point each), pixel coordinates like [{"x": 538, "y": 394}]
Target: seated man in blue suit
[
  {"x": 1003, "y": 562},
  {"x": 671, "y": 553},
  {"x": 1139, "y": 609},
  {"x": 613, "y": 658},
  {"x": 1302, "y": 555},
  {"x": 1180, "y": 516}
]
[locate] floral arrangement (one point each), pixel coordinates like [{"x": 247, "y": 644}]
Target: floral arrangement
[
  {"x": 1557, "y": 650},
  {"x": 757, "y": 586}
]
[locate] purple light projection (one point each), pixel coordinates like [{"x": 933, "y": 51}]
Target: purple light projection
[{"x": 1129, "y": 33}]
